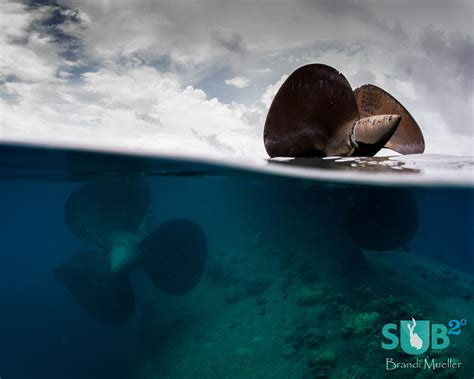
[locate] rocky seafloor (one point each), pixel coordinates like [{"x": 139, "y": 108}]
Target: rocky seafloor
[{"x": 280, "y": 312}]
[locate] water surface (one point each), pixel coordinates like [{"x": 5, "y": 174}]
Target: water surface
[{"x": 295, "y": 270}]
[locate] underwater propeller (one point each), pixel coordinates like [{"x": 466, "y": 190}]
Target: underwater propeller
[
  {"x": 114, "y": 215},
  {"x": 315, "y": 113},
  {"x": 109, "y": 213},
  {"x": 174, "y": 256},
  {"x": 104, "y": 295},
  {"x": 381, "y": 219}
]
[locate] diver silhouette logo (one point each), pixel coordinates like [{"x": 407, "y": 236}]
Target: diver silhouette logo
[
  {"x": 415, "y": 340},
  {"x": 414, "y": 336},
  {"x": 427, "y": 335}
]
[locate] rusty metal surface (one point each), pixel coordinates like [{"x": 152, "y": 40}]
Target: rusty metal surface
[
  {"x": 408, "y": 138},
  {"x": 372, "y": 133},
  {"x": 312, "y": 115}
]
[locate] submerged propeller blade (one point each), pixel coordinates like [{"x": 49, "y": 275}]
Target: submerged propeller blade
[
  {"x": 408, "y": 138},
  {"x": 312, "y": 115},
  {"x": 174, "y": 256},
  {"x": 382, "y": 219},
  {"x": 106, "y": 296},
  {"x": 97, "y": 211}
]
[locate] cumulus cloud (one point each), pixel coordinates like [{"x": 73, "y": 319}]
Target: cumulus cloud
[
  {"x": 238, "y": 81},
  {"x": 139, "y": 109},
  {"x": 26, "y": 55},
  {"x": 140, "y": 74}
]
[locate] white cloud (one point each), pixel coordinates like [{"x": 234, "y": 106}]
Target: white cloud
[
  {"x": 238, "y": 81},
  {"x": 108, "y": 108},
  {"x": 25, "y": 55},
  {"x": 260, "y": 70},
  {"x": 271, "y": 91},
  {"x": 142, "y": 65},
  {"x": 406, "y": 89}
]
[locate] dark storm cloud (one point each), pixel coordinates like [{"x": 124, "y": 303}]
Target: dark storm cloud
[
  {"x": 231, "y": 41},
  {"x": 362, "y": 11},
  {"x": 453, "y": 53},
  {"x": 441, "y": 69},
  {"x": 350, "y": 8},
  {"x": 39, "y": 3},
  {"x": 51, "y": 27}
]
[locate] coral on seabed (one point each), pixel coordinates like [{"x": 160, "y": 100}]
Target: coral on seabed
[
  {"x": 393, "y": 308},
  {"x": 249, "y": 287},
  {"x": 312, "y": 295},
  {"x": 322, "y": 364},
  {"x": 362, "y": 323}
]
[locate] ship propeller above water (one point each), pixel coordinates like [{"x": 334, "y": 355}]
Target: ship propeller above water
[
  {"x": 114, "y": 216},
  {"x": 315, "y": 113}
]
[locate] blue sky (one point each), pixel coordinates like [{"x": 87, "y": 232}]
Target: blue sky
[{"x": 197, "y": 77}]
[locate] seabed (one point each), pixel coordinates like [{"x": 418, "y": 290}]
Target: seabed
[{"x": 290, "y": 288}]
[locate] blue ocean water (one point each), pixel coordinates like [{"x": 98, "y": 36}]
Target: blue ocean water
[{"x": 296, "y": 268}]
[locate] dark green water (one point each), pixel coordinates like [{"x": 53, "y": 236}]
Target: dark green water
[{"x": 300, "y": 276}]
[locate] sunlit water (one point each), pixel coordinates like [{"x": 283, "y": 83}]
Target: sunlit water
[{"x": 287, "y": 278}]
